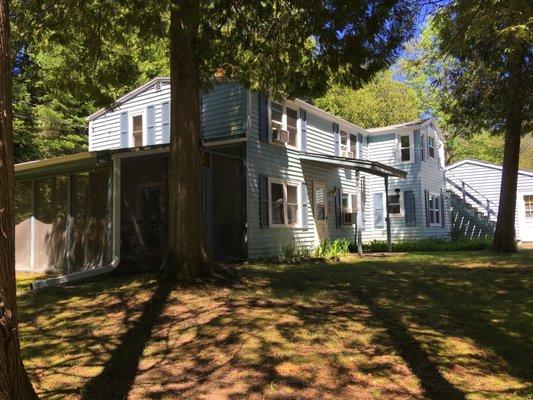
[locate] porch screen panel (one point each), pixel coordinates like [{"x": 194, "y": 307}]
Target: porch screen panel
[
  {"x": 50, "y": 224},
  {"x": 89, "y": 205},
  {"x": 23, "y": 225}
]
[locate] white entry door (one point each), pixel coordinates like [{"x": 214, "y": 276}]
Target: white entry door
[
  {"x": 320, "y": 210},
  {"x": 525, "y": 216}
]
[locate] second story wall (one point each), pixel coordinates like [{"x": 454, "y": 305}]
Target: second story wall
[{"x": 142, "y": 117}]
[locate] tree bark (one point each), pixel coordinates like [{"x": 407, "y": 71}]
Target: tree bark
[
  {"x": 504, "y": 236},
  {"x": 14, "y": 381},
  {"x": 186, "y": 256}
]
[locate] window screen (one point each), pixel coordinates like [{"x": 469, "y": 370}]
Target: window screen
[{"x": 276, "y": 199}]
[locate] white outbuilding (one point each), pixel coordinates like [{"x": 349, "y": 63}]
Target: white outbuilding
[{"x": 483, "y": 180}]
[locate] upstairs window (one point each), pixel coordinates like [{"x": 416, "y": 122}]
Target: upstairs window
[
  {"x": 405, "y": 144},
  {"x": 348, "y": 145},
  {"x": 283, "y": 124},
  {"x": 284, "y": 204},
  {"x": 431, "y": 146},
  {"x": 137, "y": 130},
  {"x": 394, "y": 203},
  {"x": 292, "y": 126}
]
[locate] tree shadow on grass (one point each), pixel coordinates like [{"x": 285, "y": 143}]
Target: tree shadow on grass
[
  {"x": 432, "y": 381},
  {"x": 118, "y": 375}
]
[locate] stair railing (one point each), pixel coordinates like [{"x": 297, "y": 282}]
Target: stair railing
[{"x": 486, "y": 205}]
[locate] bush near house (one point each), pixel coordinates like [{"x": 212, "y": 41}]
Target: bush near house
[{"x": 427, "y": 245}]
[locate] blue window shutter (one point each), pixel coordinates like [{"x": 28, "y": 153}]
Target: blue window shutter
[
  {"x": 263, "y": 117},
  {"x": 409, "y": 206},
  {"x": 378, "y": 210},
  {"x": 423, "y": 144},
  {"x": 303, "y": 125},
  {"x": 426, "y": 199},
  {"x": 417, "y": 144},
  {"x": 336, "y": 140},
  {"x": 442, "y": 209},
  {"x": 208, "y": 206},
  {"x": 263, "y": 200},
  {"x": 305, "y": 207},
  {"x": 360, "y": 147},
  {"x": 124, "y": 130},
  {"x": 150, "y": 125},
  {"x": 165, "y": 122},
  {"x": 338, "y": 208}
]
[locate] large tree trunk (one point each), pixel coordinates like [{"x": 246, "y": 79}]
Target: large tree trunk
[
  {"x": 186, "y": 239},
  {"x": 504, "y": 236},
  {"x": 14, "y": 381}
]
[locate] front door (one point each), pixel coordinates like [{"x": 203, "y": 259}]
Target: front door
[
  {"x": 525, "y": 209},
  {"x": 320, "y": 210}
]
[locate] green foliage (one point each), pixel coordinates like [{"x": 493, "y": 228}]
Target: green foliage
[
  {"x": 429, "y": 245},
  {"x": 384, "y": 101},
  {"x": 292, "y": 253},
  {"x": 332, "y": 248}
]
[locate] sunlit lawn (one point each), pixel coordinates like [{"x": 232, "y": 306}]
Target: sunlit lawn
[{"x": 441, "y": 326}]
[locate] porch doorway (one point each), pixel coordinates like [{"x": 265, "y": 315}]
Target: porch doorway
[
  {"x": 320, "y": 210},
  {"x": 143, "y": 211}
]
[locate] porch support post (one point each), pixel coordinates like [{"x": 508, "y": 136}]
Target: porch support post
[
  {"x": 116, "y": 207},
  {"x": 387, "y": 218},
  {"x": 359, "y": 221}
]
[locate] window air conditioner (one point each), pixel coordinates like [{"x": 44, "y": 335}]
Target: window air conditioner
[
  {"x": 280, "y": 136},
  {"x": 348, "y": 154}
]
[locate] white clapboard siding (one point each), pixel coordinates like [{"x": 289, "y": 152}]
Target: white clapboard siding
[{"x": 486, "y": 178}]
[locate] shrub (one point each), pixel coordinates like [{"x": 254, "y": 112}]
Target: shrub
[
  {"x": 429, "y": 245},
  {"x": 333, "y": 248},
  {"x": 293, "y": 253}
]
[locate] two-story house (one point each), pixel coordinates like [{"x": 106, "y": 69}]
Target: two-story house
[{"x": 277, "y": 173}]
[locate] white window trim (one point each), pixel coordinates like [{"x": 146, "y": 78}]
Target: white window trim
[
  {"x": 295, "y": 107},
  {"x": 350, "y": 133},
  {"x": 522, "y": 205},
  {"x": 144, "y": 133},
  {"x": 402, "y": 209},
  {"x": 350, "y": 193},
  {"x": 435, "y": 224},
  {"x": 283, "y": 182},
  {"x": 399, "y": 148},
  {"x": 435, "y": 147}
]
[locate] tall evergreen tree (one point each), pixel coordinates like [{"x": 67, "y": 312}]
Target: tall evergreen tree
[
  {"x": 491, "y": 84},
  {"x": 14, "y": 381}
]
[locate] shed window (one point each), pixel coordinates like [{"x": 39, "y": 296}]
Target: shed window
[
  {"x": 434, "y": 209},
  {"x": 394, "y": 204},
  {"x": 431, "y": 146},
  {"x": 284, "y": 203},
  {"x": 137, "y": 130},
  {"x": 528, "y": 203}
]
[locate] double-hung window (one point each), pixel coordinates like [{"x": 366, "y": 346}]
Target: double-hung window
[
  {"x": 405, "y": 148},
  {"x": 434, "y": 210},
  {"x": 348, "y": 145},
  {"x": 528, "y": 205},
  {"x": 137, "y": 130},
  {"x": 283, "y": 124},
  {"x": 283, "y": 203},
  {"x": 431, "y": 146},
  {"x": 349, "y": 208}
]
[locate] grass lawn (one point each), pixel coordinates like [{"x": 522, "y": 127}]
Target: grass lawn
[{"x": 417, "y": 326}]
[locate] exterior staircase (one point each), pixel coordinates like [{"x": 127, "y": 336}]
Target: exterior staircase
[{"x": 469, "y": 221}]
